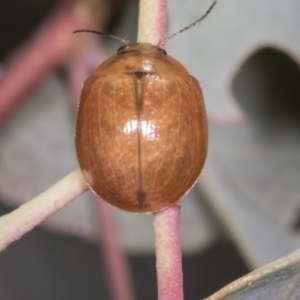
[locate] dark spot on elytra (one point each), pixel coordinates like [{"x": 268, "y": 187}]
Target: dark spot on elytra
[
  {"x": 139, "y": 75},
  {"x": 141, "y": 196}
]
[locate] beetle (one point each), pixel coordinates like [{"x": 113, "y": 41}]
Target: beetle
[{"x": 141, "y": 131}]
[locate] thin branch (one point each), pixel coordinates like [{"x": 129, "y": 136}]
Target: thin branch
[
  {"x": 168, "y": 253},
  {"x": 152, "y": 29},
  {"x": 152, "y": 21},
  {"x": 15, "y": 224}
]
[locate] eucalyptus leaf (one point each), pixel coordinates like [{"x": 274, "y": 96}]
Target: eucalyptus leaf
[{"x": 279, "y": 280}]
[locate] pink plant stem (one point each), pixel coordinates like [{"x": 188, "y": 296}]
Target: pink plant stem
[
  {"x": 15, "y": 224},
  {"x": 152, "y": 21},
  {"x": 47, "y": 48},
  {"x": 152, "y": 29},
  {"x": 118, "y": 273},
  {"x": 168, "y": 253}
]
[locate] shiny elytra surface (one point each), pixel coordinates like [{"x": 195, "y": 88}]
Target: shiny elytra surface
[{"x": 141, "y": 133}]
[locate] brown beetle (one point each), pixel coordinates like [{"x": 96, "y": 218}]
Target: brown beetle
[{"x": 141, "y": 133}]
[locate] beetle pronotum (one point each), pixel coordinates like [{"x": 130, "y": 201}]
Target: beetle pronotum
[{"x": 141, "y": 132}]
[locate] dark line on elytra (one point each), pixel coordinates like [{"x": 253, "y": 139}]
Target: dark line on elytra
[{"x": 139, "y": 89}]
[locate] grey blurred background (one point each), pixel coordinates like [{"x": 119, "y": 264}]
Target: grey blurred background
[{"x": 244, "y": 211}]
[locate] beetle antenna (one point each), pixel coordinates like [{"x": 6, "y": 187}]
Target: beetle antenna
[
  {"x": 123, "y": 40},
  {"x": 162, "y": 42}
]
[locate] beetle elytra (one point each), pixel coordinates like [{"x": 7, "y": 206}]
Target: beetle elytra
[{"x": 141, "y": 132}]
